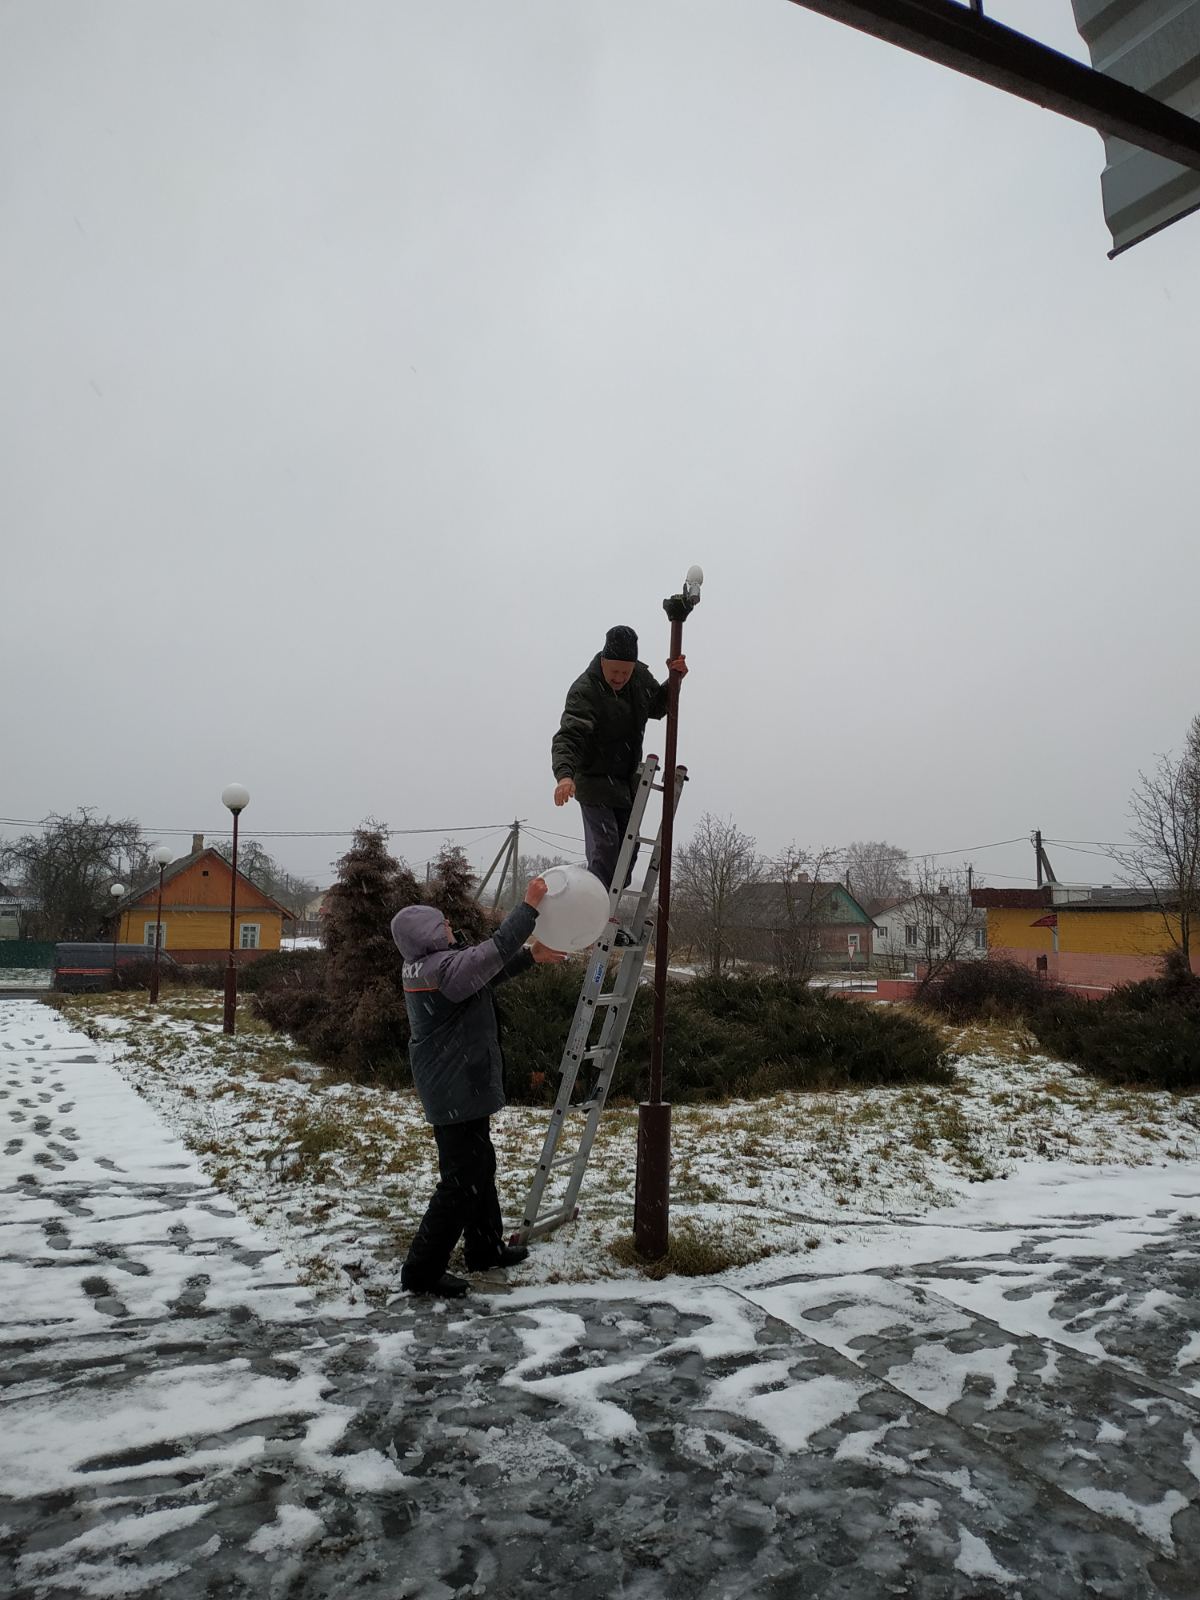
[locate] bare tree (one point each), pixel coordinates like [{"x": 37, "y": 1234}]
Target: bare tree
[
  {"x": 800, "y": 906},
  {"x": 255, "y": 863},
  {"x": 939, "y": 908},
  {"x": 876, "y": 871},
  {"x": 717, "y": 861},
  {"x": 67, "y": 869},
  {"x": 1165, "y": 858}
]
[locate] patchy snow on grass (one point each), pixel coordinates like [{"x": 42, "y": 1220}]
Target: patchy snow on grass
[{"x": 338, "y": 1173}]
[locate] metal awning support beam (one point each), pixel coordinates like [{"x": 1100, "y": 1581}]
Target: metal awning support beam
[{"x": 960, "y": 36}]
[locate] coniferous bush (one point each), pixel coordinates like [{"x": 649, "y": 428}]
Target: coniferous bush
[
  {"x": 995, "y": 989},
  {"x": 1143, "y": 1034},
  {"x": 301, "y": 969},
  {"x": 725, "y": 1037}
]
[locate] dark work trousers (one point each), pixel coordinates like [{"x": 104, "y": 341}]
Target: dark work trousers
[
  {"x": 464, "y": 1205},
  {"x": 603, "y": 832}
]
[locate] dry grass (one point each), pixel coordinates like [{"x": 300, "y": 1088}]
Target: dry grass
[{"x": 695, "y": 1250}]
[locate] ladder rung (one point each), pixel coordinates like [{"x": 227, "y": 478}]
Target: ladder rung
[
  {"x": 612, "y": 998},
  {"x": 564, "y": 1161},
  {"x": 647, "y": 838},
  {"x": 595, "y": 1050}
]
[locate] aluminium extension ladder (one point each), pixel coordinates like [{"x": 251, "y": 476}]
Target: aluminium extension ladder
[{"x": 543, "y": 1213}]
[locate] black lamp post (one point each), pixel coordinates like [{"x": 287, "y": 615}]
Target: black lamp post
[
  {"x": 116, "y": 890},
  {"x": 236, "y": 798},
  {"x": 163, "y": 856},
  {"x": 652, "y": 1191}
]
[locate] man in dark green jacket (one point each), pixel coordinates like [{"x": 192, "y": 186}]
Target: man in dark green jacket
[{"x": 598, "y": 747}]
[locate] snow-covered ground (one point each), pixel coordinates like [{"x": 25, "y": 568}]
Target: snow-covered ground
[
  {"x": 997, "y": 1394},
  {"x": 338, "y": 1173},
  {"x": 25, "y": 978}
]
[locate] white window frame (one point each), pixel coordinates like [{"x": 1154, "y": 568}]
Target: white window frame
[
  {"x": 935, "y": 936},
  {"x": 148, "y": 935},
  {"x": 254, "y": 943},
  {"x": 981, "y": 938},
  {"x": 911, "y": 935}
]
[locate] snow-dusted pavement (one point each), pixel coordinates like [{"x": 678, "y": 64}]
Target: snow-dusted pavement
[{"x": 1003, "y": 1399}]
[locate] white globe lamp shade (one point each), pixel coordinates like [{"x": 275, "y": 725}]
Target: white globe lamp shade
[
  {"x": 695, "y": 577},
  {"x": 116, "y": 889},
  {"x": 575, "y": 911},
  {"x": 162, "y": 855},
  {"x": 235, "y": 797}
]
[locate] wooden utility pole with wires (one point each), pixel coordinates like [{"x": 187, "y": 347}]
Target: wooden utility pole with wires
[{"x": 508, "y": 859}]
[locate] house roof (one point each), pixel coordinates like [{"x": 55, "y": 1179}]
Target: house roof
[
  {"x": 149, "y": 890},
  {"x": 1082, "y": 898},
  {"x": 1123, "y": 900},
  {"x": 1016, "y": 899},
  {"x": 768, "y": 905}
]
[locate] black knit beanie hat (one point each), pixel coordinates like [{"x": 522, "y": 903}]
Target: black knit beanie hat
[{"x": 620, "y": 644}]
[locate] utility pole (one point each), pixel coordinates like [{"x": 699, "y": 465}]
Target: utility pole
[
  {"x": 652, "y": 1190},
  {"x": 1037, "y": 848}
]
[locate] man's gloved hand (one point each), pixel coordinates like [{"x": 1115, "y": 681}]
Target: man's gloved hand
[
  {"x": 564, "y": 791},
  {"x": 678, "y": 666}
]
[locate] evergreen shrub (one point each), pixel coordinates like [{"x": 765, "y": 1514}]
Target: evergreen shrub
[
  {"x": 995, "y": 989},
  {"x": 1143, "y": 1034},
  {"x": 726, "y": 1037}
]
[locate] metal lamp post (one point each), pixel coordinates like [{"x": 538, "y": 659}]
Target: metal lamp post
[
  {"x": 116, "y": 890},
  {"x": 652, "y": 1191},
  {"x": 236, "y": 798},
  {"x": 163, "y": 855}
]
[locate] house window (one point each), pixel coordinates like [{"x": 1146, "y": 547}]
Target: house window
[
  {"x": 935, "y": 938},
  {"x": 250, "y": 932},
  {"x": 981, "y": 938},
  {"x": 910, "y": 934},
  {"x": 883, "y": 933},
  {"x": 149, "y": 936}
]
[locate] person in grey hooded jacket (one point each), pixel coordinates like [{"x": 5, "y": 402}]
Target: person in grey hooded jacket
[{"x": 458, "y": 1070}]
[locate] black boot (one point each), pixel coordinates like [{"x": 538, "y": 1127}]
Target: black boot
[
  {"x": 511, "y": 1255},
  {"x": 448, "y": 1286}
]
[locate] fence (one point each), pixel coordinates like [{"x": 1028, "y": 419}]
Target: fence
[{"x": 27, "y": 953}]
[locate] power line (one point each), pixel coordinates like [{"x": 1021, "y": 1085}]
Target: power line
[
  {"x": 276, "y": 833},
  {"x": 551, "y": 845}
]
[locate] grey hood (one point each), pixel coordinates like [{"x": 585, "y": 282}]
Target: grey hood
[{"x": 419, "y": 931}]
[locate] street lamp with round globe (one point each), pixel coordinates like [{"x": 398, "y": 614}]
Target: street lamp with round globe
[
  {"x": 162, "y": 855},
  {"x": 116, "y": 890},
  {"x": 235, "y": 797}
]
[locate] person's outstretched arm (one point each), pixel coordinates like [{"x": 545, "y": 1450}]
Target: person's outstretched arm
[{"x": 468, "y": 971}]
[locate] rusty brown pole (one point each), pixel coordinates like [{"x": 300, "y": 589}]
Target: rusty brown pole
[
  {"x": 231, "y": 969},
  {"x": 652, "y": 1191},
  {"x": 235, "y": 798},
  {"x": 157, "y": 937}
]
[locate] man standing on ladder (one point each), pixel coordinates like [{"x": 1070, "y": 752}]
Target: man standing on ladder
[{"x": 598, "y": 747}]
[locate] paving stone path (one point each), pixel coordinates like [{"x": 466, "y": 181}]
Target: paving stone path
[{"x": 177, "y": 1415}]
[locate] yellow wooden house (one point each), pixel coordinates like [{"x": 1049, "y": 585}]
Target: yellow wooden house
[
  {"x": 195, "y": 911},
  {"x": 1081, "y": 935}
]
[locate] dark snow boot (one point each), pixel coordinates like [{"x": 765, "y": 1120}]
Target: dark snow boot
[
  {"x": 511, "y": 1255},
  {"x": 448, "y": 1286}
]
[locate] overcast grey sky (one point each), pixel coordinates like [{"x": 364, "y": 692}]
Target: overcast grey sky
[{"x": 361, "y": 363}]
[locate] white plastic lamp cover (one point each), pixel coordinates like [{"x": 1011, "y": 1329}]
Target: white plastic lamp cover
[
  {"x": 115, "y": 889},
  {"x": 575, "y": 910},
  {"x": 235, "y": 797},
  {"x": 163, "y": 855},
  {"x": 695, "y": 577}
]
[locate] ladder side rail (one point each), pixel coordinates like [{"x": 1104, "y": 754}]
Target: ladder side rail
[{"x": 607, "y": 1049}]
